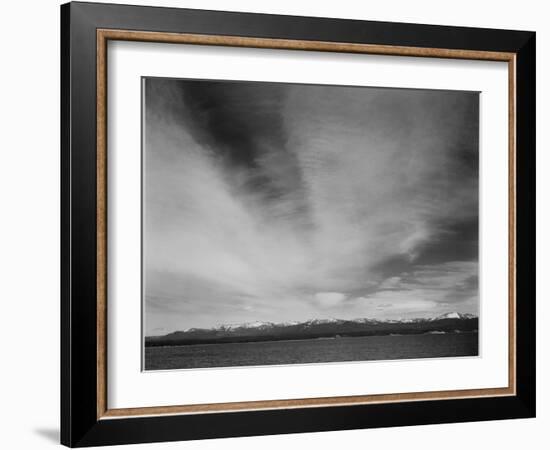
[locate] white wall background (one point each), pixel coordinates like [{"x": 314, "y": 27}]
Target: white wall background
[{"x": 29, "y": 229}]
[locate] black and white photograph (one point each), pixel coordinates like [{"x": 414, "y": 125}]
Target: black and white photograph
[{"x": 289, "y": 223}]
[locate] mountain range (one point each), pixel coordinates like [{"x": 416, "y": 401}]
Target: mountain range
[{"x": 452, "y": 322}]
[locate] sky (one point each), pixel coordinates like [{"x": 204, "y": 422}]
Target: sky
[{"x": 286, "y": 202}]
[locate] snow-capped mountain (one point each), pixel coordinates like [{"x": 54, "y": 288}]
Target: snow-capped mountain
[
  {"x": 263, "y": 325},
  {"x": 321, "y": 321},
  {"x": 255, "y": 324},
  {"x": 454, "y": 315},
  {"x": 318, "y": 328}
]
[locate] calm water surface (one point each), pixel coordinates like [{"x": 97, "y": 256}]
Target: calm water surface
[{"x": 365, "y": 348}]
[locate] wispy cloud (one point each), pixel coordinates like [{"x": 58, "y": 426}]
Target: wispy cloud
[{"x": 287, "y": 202}]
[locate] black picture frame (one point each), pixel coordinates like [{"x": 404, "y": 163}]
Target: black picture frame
[{"x": 80, "y": 425}]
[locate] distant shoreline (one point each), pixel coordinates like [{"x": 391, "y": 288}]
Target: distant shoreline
[{"x": 313, "y": 339}]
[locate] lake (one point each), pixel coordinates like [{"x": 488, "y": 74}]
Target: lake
[{"x": 366, "y": 348}]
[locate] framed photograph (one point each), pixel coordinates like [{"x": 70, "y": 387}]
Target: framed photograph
[{"x": 278, "y": 224}]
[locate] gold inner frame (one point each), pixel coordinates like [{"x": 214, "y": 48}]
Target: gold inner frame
[{"x": 104, "y": 35}]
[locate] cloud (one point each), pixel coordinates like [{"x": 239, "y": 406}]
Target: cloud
[
  {"x": 329, "y": 299},
  {"x": 391, "y": 283},
  {"x": 288, "y": 202},
  {"x": 429, "y": 290}
]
